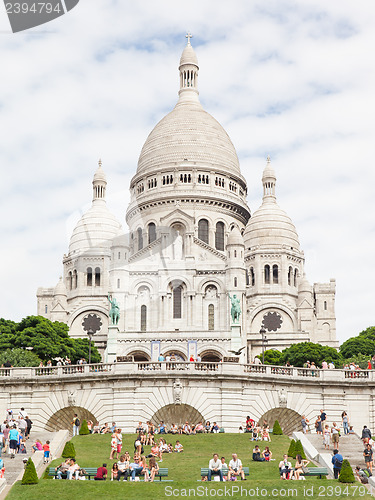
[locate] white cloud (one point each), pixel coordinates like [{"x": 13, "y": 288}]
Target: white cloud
[{"x": 292, "y": 79}]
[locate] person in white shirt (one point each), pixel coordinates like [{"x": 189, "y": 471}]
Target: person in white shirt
[
  {"x": 235, "y": 468},
  {"x": 214, "y": 467},
  {"x": 285, "y": 468}
]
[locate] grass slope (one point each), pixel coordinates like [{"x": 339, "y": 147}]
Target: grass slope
[{"x": 184, "y": 469}]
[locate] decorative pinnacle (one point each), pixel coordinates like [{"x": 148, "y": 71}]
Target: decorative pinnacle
[
  {"x": 268, "y": 159},
  {"x": 100, "y": 162},
  {"x": 188, "y": 36}
]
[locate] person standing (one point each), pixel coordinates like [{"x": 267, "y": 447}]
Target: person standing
[
  {"x": 75, "y": 423},
  {"x": 323, "y": 416},
  {"x": 335, "y": 431},
  {"x": 368, "y": 455},
  {"x": 305, "y": 422},
  {"x": 215, "y": 467},
  {"x": 345, "y": 422},
  {"x": 337, "y": 461},
  {"x": 13, "y": 440}
]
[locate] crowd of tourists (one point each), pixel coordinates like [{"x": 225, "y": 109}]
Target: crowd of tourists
[{"x": 14, "y": 432}]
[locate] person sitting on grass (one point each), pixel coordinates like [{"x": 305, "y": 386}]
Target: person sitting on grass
[
  {"x": 235, "y": 468},
  {"x": 267, "y": 454},
  {"x": 153, "y": 468},
  {"x": 96, "y": 428},
  {"x": 123, "y": 468},
  {"x": 90, "y": 426},
  {"x": 150, "y": 439},
  {"x": 161, "y": 428},
  {"x": 178, "y": 447},
  {"x": 138, "y": 448},
  {"x": 266, "y": 434},
  {"x": 135, "y": 467},
  {"x": 114, "y": 471},
  {"x": 256, "y": 455},
  {"x": 163, "y": 447},
  {"x": 170, "y": 448},
  {"x": 215, "y": 428},
  {"x": 215, "y": 467},
  {"x": 199, "y": 428},
  {"x": 285, "y": 468},
  {"x": 101, "y": 473},
  {"x": 144, "y": 472},
  {"x": 174, "y": 429},
  {"x": 155, "y": 452},
  {"x": 300, "y": 464},
  {"x": 186, "y": 429},
  {"x": 207, "y": 427},
  {"x": 113, "y": 427},
  {"x": 105, "y": 429},
  {"x": 62, "y": 469},
  {"x": 179, "y": 429}
]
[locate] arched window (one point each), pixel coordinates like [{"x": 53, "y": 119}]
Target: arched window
[
  {"x": 75, "y": 278},
  {"x": 267, "y": 274},
  {"x": 295, "y": 277},
  {"x": 143, "y": 318},
  {"x": 140, "y": 238},
  {"x": 151, "y": 232},
  {"x": 325, "y": 305},
  {"x": 89, "y": 276},
  {"x": 252, "y": 277},
  {"x": 211, "y": 317},
  {"x": 118, "y": 282},
  {"x": 219, "y": 236},
  {"x": 97, "y": 276},
  {"x": 177, "y": 302},
  {"x": 247, "y": 277},
  {"x": 70, "y": 280},
  {"x": 235, "y": 253},
  {"x": 203, "y": 230},
  {"x": 275, "y": 273},
  {"x": 45, "y": 309},
  {"x": 235, "y": 282},
  {"x": 290, "y": 274}
]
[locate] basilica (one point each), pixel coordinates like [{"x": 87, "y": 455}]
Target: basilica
[{"x": 192, "y": 249}]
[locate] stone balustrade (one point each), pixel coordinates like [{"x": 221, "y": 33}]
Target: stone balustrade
[{"x": 232, "y": 369}]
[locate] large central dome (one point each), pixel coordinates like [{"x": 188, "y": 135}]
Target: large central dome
[{"x": 188, "y": 132}]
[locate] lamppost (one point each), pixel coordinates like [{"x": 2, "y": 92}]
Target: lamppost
[
  {"x": 262, "y": 331},
  {"x": 90, "y": 333}
]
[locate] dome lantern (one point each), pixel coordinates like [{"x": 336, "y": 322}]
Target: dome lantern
[
  {"x": 99, "y": 183},
  {"x": 269, "y": 182},
  {"x": 188, "y": 73}
]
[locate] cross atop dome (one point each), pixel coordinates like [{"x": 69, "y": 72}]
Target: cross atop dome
[{"x": 188, "y": 36}]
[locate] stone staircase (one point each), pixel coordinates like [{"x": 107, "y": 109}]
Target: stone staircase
[
  {"x": 14, "y": 466},
  {"x": 350, "y": 447}
]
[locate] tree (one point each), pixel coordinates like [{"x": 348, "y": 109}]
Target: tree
[
  {"x": 292, "y": 448},
  {"x": 48, "y": 339},
  {"x": 298, "y": 450},
  {"x": 84, "y": 430},
  {"x": 346, "y": 473},
  {"x": 19, "y": 357},
  {"x": 69, "y": 451},
  {"x": 271, "y": 357},
  {"x": 277, "y": 430},
  {"x": 298, "y": 354},
  {"x": 30, "y": 476},
  {"x": 363, "y": 343}
]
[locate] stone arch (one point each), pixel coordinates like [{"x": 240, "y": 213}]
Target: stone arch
[
  {"x": 211, "y": 356},
  {"x": 289, "y": 420},
  {"x": 61, "y": 420},
  {"x": 181, "y": 356},
  {"x": 129, "y": 351},
  {"x": 139, "y": 355},
  {"x": 177, "y": 414}
]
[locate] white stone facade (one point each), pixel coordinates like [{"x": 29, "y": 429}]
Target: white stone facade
[{"x": 191, "y": 243}]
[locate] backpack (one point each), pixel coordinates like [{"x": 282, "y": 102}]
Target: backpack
[
  {"x": 338, "y": 463},
  {"x": 77, "y": 422},
  {"x": 367, "y": 472}
]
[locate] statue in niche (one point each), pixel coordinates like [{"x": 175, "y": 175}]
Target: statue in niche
[
  {"x": 177, "y": 391},
  {"x": 177, "y": 247},
  {"x": 211, "y": 292},
  {"x": 114, "y": 312}
]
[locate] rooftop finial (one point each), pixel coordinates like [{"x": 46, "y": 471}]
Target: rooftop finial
[
  {"x": 100, "y": 162},
  {"x": 268, "y": 159},
  {"x": 188, "y": 36}
]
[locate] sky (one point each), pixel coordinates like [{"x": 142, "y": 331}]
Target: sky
[{"x": 291, "y": 79}]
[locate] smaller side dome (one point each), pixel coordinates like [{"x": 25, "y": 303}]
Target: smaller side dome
[
  {"x": 304, "y": 285},
  {"x": 60, "y": 288},
  {"x": 235, "y": 237}
]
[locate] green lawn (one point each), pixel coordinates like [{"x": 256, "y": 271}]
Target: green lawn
[{"x": 184, "y": 469}]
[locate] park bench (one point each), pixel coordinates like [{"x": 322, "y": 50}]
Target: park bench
[
  {"x": 90, "y": 472},
  {"x": 316, "y": 471},
  {"x": 204, "y": 471}
]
